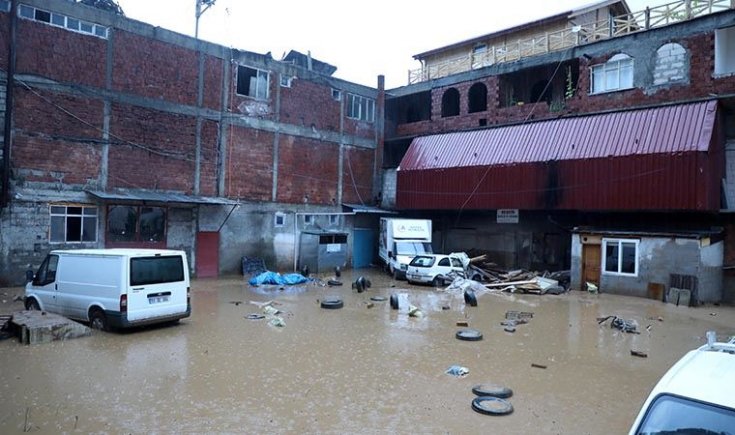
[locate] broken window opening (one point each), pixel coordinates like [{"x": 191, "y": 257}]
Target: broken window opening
[
  {"x": 530, "y": 85},
  {"x": 252, "y": 82},
  {"x": 136, "y": 224},
  {"x": 450, "y": 103},
  {"x": 409, "y": 108},
  {"x": 360, "y": 108},
  {"x": 477, "y": 98},
  {"x": 541, "y": 91},
  {"x": 71, "y": 224}
]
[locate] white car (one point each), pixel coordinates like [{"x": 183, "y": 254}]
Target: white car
[
  {"x": 436, "y": 269},
  {"x": 696, "y": 395}
]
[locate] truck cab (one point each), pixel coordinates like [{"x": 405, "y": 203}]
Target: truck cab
[{"x": 401, "y": 240}]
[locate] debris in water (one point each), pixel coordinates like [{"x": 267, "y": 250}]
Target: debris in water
[
  {"x": 457, "y": 371},
  {"x": 278, "y": 322},
  {"x": 639, "y": 353},
  {"x": 538, "y": 366},
  {"x": 236, "y": 303},
  {"x": 463, "y": 323},
  {"x": 414, "y": 311},
  {"x": 270, "y": 310},
  {"x": 630, "y": 326}
]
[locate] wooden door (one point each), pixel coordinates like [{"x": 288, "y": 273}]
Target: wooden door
[
  {"x": 591, "y": 264},
  {"x": 207, "y": 254}
]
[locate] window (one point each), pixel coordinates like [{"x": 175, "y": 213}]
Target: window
[
  {"x": 614, "y": 75},
  {"x": 156, "y": 270},
  {"x": 361, "y": 108},
  {"x": 336, "y": 94},
  {"x": 286, "y": 81},
  {"x": 450, "y": 103},
  {"x": 73, "y": 224},
  {"x": 58, "y": 20},
  {"x": 673, "y": 414},
  {"x": 47, "y": 272},
  {"x": 725, "y": 51},
  {"x": 333, "y": 219},
  {"x": 5, "y": 5},
  {"x": 444, "y": 262},
  {"x": 308, "y": 219},
  {"x": 127, "y": 223},
  {"x": 252, "y": 82},
  {"x": 620, "y": 257},
  {"x": 477, "y": 98},
  {"x": 280, "y": 220},
  {"x": 332, "y": 239}
]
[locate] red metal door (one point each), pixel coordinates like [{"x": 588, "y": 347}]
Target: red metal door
[{"x": 207, "y": 254}]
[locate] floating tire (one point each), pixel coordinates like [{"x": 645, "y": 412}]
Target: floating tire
[
  {"x": 337, "y": 271},
  {"x": 332, "y": 304},
  {"x": 469, "y": 335},
  {"x": 334, "y": 282},
  {"x": 394, "y": 301},
  {"x": 470, "y": 298},
  {"x": 378, "y": 298},
  {"x": 489, "y": 405},
  {"x": 368, "y": 283},
  {"x": 492, "y": 390}
]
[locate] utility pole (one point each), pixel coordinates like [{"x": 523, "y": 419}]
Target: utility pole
[{"x": 199, "y": 11}]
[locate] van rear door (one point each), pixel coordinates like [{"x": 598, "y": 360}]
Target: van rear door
[{"x": 157, "y": 287}]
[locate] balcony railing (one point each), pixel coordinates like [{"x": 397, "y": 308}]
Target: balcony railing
[{"x": 615, "y": 26}]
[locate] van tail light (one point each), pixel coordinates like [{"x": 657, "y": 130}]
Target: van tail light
[
  {"x": 188, "y": 296},
  {"x": 123, "y": 304}
]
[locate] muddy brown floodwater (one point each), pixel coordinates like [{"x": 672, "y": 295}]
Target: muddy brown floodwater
[{"x": 355, "y": 369}]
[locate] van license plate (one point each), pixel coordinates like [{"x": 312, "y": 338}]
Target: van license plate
[{"x": 158, "y": 299}]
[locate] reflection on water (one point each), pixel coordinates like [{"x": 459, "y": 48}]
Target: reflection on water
[{"x": 362, "y": 368}]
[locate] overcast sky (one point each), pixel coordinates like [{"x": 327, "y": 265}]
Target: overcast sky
[{"x": 362, "y": 39}]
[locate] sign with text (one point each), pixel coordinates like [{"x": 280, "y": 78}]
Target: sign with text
[{"x": 508, "y": 216}]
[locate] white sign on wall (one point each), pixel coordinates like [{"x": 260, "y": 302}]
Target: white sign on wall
[{"x": 508, "y": 216}]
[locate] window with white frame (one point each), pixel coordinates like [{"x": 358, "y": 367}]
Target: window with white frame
[
  {"x": 336, "y": 94},
  {"x": 286, "y": 81},
  {"x": 73, "y": 224},
  {"x": 614, "y": 75},
  {"x": 620, "y": 256},
  {"x": 60, "y": 20},
  {"x": 333, "y": 219},
  {"x": 308, "y": 219},
  {"x": 5, "y": 5},
  {"x": 280, "y": 219},
  {"x": 252, "y": 82},
  {"x": 725, "y": 51},
  {"x": 359, "y": 107}
]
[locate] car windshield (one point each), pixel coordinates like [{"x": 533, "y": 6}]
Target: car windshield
[
  {"x": 422, "y": 261},
  {"x": 412, "y": 248},
  {"x": 676, "y": 415}
]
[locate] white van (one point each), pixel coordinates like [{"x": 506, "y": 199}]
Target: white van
[{"x": 112, "y": 288}]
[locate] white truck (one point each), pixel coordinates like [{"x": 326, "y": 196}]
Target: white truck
[{"x": 401, "y": 240}]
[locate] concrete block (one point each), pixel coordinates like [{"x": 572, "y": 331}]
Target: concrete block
[{"x": 36, "y": 327}]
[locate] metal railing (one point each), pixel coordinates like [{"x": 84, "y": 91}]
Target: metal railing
[{"x": 615, "y": 26}]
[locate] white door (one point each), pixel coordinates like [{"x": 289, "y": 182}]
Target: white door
[{"x": 45, "y": 286}]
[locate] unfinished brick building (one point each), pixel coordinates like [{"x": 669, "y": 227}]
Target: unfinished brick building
[{"x": 121, "y": 134}]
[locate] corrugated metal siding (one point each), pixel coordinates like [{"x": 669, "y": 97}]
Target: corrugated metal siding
[{"x": 653, "y": 159}]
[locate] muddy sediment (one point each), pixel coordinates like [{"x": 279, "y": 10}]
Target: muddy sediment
[{"x": 360, "y": 368}]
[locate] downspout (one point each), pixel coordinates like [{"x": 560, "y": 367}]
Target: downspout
[{"x": 10, "y": 84}]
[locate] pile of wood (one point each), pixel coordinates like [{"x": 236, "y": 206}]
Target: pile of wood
[{"x": 522, "y": 281}]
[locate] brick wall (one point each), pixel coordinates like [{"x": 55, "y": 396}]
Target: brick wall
[
  {"x": 310, "y": 104},
  {"x": 212, "y": 82},
  {"x": 357, "y": 179},
  {"x": 208, "y": 159},
  {"x": 308, "y": 169},
  {"x": 249, "y": 168}
]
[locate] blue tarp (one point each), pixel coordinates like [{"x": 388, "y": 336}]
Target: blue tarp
[{"x": 275, "y": 278}]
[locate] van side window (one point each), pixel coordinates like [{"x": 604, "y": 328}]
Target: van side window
[
  {"x": 47, "y": 272},
  {"x": 156, "y": 270}
]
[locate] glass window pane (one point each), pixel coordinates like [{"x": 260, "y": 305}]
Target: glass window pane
[
  {"x": 85, "y": 27},
  {"x": 100, "y": 31},
  {"x": 444, "y": 262},
  {"x": 669, "y": 414},
  {"x": 89, "y": 229},
  {"x": 152, "y": 224},
  {"x": 72, "y": 23},
  {"x": 156, "y": 270},
  {"x": 611, "y": 257},
  {"x": 597, "y": 80},
  {"x": 612, "y": 80},
  {"x": 58, "y": 210},
  {"x": 628, "y": 265},
  {"x": 121, "y": 223},
  {"x": 58, "y": 20},
  {"x": 626, "y": 75},
  {"x": 43, "y": 16},
  {"x": 26, "y": 11},
  {"x": 57, "y": 229},
  {"x": 90, "y": 211}
]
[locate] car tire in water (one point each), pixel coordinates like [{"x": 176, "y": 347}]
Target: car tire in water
[
  {"x": 332, "y": 304},
  {"x": 489, "y": 405},
  {"x": 437, "y": 281},
  {"x": 469, "y": 335},
  {"x": 394, "y": 301},
  {"x": 98, "y": 320},
  {"x": 470, "y": 298},
  {"x": 32, "y": 304},
  {"x": 493, "y": 390}
]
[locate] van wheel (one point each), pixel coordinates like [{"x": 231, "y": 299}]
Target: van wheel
[
  {"x": 98, "y": 320},
  {"x": 32, "y": 305}
]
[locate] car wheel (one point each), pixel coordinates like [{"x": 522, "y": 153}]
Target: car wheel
[
  {"x": 98, "y": 320},
  {"x": 32, "y": 305},
  {"x": 492, "y": 390},
  {"x": 437, "y": 281},
  {"x": 489, "y": 405},
  {"x": 332, "y": 304},
  {"x": 394, "y": 301},
  {"x": 396, "y": 274}
]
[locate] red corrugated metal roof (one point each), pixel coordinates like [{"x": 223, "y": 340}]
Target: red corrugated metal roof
[
  {"x": 670, "y": 129},
  {"x": 667, "y": 158}
]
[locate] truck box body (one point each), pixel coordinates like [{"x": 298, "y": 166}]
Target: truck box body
[
  {"x": 128, "y": 287},
  {"x": 401, "y": 240}
]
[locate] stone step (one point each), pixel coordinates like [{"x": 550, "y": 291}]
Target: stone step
[{"x": 35, "y": 327}]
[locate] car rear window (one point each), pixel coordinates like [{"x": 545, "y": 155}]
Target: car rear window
[
  {"x": 673, "y": 414},
  {"x": 156, "y": 270}
]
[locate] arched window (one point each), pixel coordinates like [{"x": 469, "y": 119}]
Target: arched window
[
  {"x": 450, "y": 103},
  {"x": 671, "y": 66},
  {"x": 477, "y": 98},
  {"x": 614, "y": 75}
]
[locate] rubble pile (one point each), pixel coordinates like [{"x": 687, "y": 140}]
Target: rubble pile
[{"x": 497, "y": 278}]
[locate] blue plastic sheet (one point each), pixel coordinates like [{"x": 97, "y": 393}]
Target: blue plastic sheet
[{"x": 275, "y": 278}]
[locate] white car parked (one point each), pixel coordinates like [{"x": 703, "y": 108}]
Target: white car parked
[
  {"x": 695, "y": 396},
  {"x": 437, "y": 269}
]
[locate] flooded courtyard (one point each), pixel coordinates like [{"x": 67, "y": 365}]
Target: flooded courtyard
[{"x": 360, "y": 369}]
